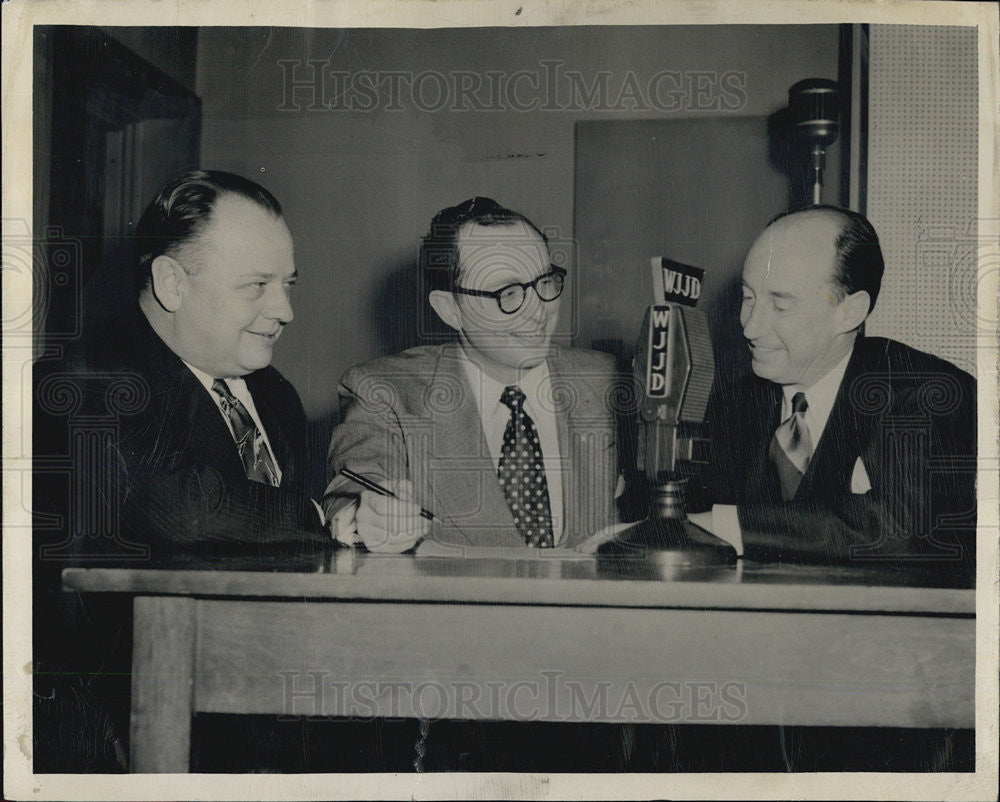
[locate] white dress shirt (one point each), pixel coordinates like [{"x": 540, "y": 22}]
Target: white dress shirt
[
  {"x": 537, "y": 387},
  {"x": 238, "y": 388},
  {"x": 819, "y": 397}
]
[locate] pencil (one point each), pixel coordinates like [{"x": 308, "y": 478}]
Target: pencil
[{"x": 375, "y": 487}]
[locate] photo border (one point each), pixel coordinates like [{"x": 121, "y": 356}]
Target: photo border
[{"x": 19, "y": 783}]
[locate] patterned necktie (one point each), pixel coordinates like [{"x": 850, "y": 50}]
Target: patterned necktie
[
  {"x": 256, "y": 456},
  {"x": 522, "y": 473},
  {"x": 791, "y": 447}
]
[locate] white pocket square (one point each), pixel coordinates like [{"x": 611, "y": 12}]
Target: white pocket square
[{"x": 859, "y": 478}]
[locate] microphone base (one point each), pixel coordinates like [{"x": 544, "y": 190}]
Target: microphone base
[{"x": 670, "y": 543}]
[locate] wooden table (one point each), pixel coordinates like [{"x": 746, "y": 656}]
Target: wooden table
[{"x": 540, "y": 637}]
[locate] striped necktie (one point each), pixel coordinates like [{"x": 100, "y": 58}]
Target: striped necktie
[
  {"x": 256, "y": 456},
  {"x": 791, "y": 448}
]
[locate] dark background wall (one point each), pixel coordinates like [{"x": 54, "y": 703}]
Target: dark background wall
[
  {"x": 360, "y": 187},
  {"x": 174, "y": 51},
  {"x": 538, "y": 118}
]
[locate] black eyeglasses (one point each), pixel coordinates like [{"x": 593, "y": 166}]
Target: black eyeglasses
[{"x": 547, "y": 286}]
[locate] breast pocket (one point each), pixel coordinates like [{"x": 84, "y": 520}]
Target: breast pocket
[{"x": 860, "y": 483}]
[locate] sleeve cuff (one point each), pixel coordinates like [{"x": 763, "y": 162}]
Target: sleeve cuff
[
  {"x": 726, "y": 525},
  {"x": 343, "y": 525}
]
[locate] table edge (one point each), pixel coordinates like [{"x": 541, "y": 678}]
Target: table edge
[{"x": 624, "y": 593}]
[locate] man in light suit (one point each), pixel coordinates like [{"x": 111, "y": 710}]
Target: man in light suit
[
  {"x": 841, "y": 448},
  {"x": 507, "y": 439}
]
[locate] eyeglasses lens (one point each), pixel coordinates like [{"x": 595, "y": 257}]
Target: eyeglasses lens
[{"x": 511, "y": 299}]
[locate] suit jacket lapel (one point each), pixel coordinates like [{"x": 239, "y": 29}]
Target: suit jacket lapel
[
  {"x": 833, "y": 460},
  {"x": 467, "y": 496},
  {"x": 274, "y": 422},
  {"x": 763, "y": 414},
  {"x": 587, "y": 445},
  {"x": 572, "y": 478},
  {"x": 182, "y": 413}
]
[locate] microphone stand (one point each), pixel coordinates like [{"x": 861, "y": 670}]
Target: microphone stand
[
  {"x": 666, "y": 537},
  {"x": 670, "y": 539}
]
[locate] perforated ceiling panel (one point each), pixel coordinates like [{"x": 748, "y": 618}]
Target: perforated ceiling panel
[{"x": 922, "y": 185}]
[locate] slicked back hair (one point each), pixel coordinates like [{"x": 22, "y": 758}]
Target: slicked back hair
[
  {"x": 183, "y": 208},
  {"x": 860, "y": 263},
  {"x": 439, "y": 248}
]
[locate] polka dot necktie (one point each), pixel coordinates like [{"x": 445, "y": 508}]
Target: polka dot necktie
[
  {"x": 791, "y": 448},
  {"x": 522, "y": 473},
  {"x": 256, "y": 456}
]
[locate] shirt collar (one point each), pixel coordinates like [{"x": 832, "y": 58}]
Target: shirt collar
[
  {"x": 822, "y": 394},
  {"x": 208, "y": 380},
  {"x": 487, "y": 391}
]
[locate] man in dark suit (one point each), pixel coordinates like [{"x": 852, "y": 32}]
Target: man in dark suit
[
  {"x": 207, "y": 447},
  {"x": 509, "y": 440},
  {"x": 841, "y": 448},
  {"x": 174, "y": 439}
]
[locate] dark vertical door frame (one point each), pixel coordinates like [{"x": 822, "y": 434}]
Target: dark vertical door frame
[
  {"x": 862, "y": 176},
  {"x": 90, "y": 85},
  {"x": 853, "y": 80}
]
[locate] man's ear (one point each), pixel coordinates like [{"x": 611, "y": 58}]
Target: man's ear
[
  {"x": 854, "y": 309},
  {"x": 444, "y": 305},
  {"x": 168, "y": 277}
]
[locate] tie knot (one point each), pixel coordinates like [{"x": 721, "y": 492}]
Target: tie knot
[
  {"x": 220, "y": 387},
  {"x": 513, "y": 396},
  {"x": 799, "y": 404}
]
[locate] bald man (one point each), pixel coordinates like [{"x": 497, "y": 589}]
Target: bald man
[{"x": 841, "y": 448}]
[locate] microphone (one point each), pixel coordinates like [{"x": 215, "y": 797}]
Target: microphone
[{"x": 673, "y": 371}]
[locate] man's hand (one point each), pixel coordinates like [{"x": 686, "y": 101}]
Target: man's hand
[{"x": 391, "y": 525}]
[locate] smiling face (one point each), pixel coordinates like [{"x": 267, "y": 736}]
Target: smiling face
[
  {"x": 492, "y": 257},
  {"x": 234, "y": 294},
  {"x": 797, "y": 323}
]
